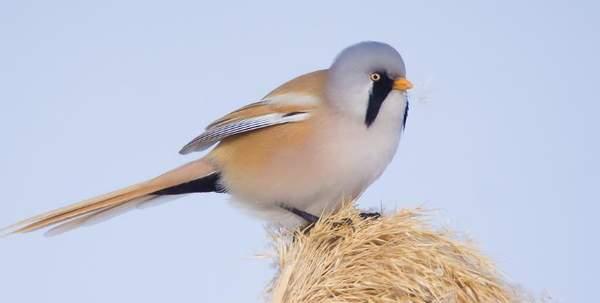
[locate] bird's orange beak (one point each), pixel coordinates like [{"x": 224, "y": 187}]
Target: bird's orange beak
[{"x": 402, "y": 84}]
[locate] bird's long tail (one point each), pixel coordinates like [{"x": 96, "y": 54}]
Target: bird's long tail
[{"x": 174, "y": 179}]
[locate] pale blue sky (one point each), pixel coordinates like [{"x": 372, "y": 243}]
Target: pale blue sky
[{"x": 502, "y": 137}]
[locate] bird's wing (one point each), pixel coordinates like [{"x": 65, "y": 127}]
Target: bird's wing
[
  {"x": 293, "y": 101},
  {"x": 246, "y": 119}
]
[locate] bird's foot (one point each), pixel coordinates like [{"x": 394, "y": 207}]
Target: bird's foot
[
  {"x": 364, "y": 216},
  {"x": 373, "y": 215},
  {"x": 312, "y": 219}
]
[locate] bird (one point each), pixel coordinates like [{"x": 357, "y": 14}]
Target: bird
[{"x": 298, "y": 153}]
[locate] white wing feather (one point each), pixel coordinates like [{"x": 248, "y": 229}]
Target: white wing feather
[{"x": 219, "y": 132}]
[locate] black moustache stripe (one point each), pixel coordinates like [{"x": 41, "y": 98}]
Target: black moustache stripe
[
  {"x": 405, "y": 114},
  {"x": 379, "y": 92}
]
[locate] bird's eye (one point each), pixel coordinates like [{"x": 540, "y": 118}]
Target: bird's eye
[{"x": 375, "y": 77}]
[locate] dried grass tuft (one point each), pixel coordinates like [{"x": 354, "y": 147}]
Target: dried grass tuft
[{"x": 396, "y": 258}]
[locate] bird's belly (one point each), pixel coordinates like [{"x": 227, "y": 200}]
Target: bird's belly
[{"x": 327, "y": 168}]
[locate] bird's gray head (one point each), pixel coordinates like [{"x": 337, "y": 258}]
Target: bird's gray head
[{"x": 363, "y": 77}]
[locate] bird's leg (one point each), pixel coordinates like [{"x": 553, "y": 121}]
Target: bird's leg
[{"x": 310, "y": 218}]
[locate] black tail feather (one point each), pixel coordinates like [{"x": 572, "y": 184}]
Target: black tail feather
[{"x": 206, "y": 184}]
